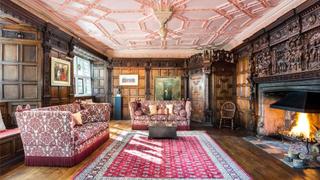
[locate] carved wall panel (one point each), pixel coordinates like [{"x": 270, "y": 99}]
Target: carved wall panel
[
  {"x": 243, "y": 93},
  {"x": 261, "y": 43},
  {"x": 312, "y": 50},
  {"x": 196, "y": 95},
  {"x": 20, "y": 67},
  {"x": 311, "y": 18},
  {"x": 263, "y": 62},
  {"x": 286, "y": 30}
]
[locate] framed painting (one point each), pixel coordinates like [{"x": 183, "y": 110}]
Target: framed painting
[
  {"x": 128, "y": 80},
  {"x": 60, "y": 72},
  {"x": 167, "y": 88}
]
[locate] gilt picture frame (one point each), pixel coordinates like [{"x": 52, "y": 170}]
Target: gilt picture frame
[
  {"x": 167, "y": 87},
  {"x": 129, "y": 80},
  {"x": 60, "y": 72}
]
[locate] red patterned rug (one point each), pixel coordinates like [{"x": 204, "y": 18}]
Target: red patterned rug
[{"x": 194, "y": 155}]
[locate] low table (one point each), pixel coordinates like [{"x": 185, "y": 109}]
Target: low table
[{"x": 162, "y": 131}]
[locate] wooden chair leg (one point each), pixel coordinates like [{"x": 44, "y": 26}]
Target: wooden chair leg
[
  {"x": 220, "y": 123},
  {"x": 232, "y": 124}
]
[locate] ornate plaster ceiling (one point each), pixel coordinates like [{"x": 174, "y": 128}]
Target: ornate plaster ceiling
[{"x": 121, "y": 26}]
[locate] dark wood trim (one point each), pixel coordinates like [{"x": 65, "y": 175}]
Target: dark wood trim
[{"x": 304, "y": 75}]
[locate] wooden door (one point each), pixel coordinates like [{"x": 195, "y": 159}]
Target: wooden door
[{"x": 197, "y": 97}]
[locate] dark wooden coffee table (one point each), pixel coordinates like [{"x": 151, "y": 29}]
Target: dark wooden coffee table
[{"x": 164, "y": 131}]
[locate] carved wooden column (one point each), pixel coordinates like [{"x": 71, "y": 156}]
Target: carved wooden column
[
  {"x": 71, "y": 55},
  {"x": 109, "y": 68},
  {"x": 46, "y": 78},
  {"x": 206, "y": 68},
  {"x": 148, "y": 93},
  {"x": 186, "y": 83}
]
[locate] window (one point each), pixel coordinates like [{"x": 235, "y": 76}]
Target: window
[{"x": 82, "y": 77}]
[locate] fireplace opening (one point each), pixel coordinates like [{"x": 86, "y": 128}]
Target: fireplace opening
[{"x": 288, "y": 124}]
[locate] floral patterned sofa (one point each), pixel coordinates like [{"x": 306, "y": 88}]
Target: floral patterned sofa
[
  {"x": 140, "y": 122},
  {"x": 50, "y": 139}
]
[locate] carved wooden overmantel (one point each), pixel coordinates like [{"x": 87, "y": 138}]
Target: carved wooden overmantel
[
  {"x": 283, "y": 51},
  {"x": 221, "y": 62}
]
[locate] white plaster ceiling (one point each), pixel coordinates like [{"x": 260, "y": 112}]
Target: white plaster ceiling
[{"x": 131, "y": 25}]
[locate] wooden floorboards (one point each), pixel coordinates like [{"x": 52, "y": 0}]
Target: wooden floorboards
[{"x": 257, "y": 163}]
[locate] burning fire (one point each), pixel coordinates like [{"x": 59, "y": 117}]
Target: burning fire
[{"x": 303, "y": 127}]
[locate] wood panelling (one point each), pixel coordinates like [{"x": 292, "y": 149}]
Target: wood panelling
[
  {"x": 166, "y": 71},
  {"x": 20, "y": 67},
  {"x": 243, "y": 93},
  {"x": 223, "y": 87},
  {"x": 196, "y": 95},
  {"x": 10, "y": 147},
  {"x": 4, "y": 113},
  {"x": 128, "y": 93},
  {"x": 60, "y": 94}
]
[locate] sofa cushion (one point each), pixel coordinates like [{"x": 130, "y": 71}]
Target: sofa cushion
[
  {"x": 92, "y": 128},
  {"x": 163, "y": 111},
  {"x": 176, "y": 118},
  {"x": 138, "y": 113},
  {"x": 143, "y": 118},
  {"x": 159, "y": 117},
  {"x": 85, "y": 116},
  {"x": 183, "y": 113},
  {"x": 153, "y": 109},
  {"x": 80, "y": 137},
  {"x": 98, "y": 118}
]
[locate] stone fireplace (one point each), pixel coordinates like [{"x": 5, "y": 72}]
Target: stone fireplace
[{"x": 271, "y": 121}]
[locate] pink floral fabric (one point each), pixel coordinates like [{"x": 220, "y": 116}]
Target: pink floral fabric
[
  {"x": 49, "y": 131},
  {"x": 98, "y": 108},
  {"x": 138, "y": 113},
  {"x": 188, "y": 109},
  {"x": 176, "y": 118},
  {"x": 143, "y": 118},
  {"x": 183, "y": 113},
  {"x": 146, "y": 119},
  {"x": 85, "y": 116},
  {"x": 159, "y": 117}
]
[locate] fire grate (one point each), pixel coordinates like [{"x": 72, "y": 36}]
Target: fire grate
[{"x": 294, "y": 138}]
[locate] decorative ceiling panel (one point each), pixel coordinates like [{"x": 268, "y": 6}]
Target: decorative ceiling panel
[{"x": 131, "y": 24}]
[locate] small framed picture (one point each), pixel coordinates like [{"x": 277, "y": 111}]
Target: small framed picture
[
  {"x": 60, "y": 72},
  {"x": 80, "y": 86},
  {"x": 128, "y": 80}
]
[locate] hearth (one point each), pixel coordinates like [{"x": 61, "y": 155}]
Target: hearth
[{"x": 291, "y": 110}]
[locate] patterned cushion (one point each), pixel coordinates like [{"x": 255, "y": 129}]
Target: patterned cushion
[
  {"x": 145, "y": 109},
  {"x": 85, "y": 116},
  {"x": 159, "y": 117},
  {"x": 163, "y": 111},
  {"x": 92, "y": 128},
  {"x": 98, "y": 118},
  {"x": 183, "y": 113},
  {"x": 138, "y": 113},
  {"x": 176, "y": 118},
  {"x": 81, "y": 137}
]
